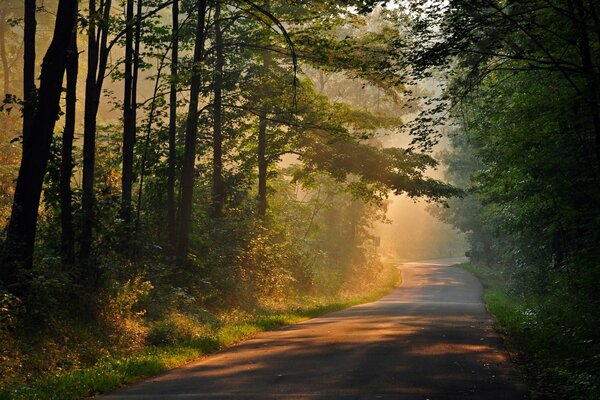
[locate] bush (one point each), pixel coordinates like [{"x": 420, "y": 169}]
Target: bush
[
  {"x": 10, "y": 356},
  {"x": 121, "y": 313},
  {"x": 176, "y": 328}
]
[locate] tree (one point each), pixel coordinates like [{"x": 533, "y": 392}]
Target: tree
[
  {"x": 66, "y": 167},
  {"x": 189, "y": 158},
  {"x": 129, "y": 123},
  {"x": 20, "y": 237},
  {"x": 172, "y": 152},
  {"x": 98, "y": 52},
  {"x": 218, "y": 186}
]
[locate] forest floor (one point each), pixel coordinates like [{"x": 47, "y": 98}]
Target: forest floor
[{"x": 430, "y": 338}]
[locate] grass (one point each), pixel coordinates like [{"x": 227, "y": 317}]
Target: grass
[
  {"x": 112, "y": 373},
  {"x": 549, "y": 338}
]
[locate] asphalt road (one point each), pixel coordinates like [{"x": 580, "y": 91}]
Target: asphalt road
[{"x": 430, "y": 339}]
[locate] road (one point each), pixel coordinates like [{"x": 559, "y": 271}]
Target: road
[{"x": 430, "y": 339}]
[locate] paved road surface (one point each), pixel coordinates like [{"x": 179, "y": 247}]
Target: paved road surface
[{"x": 430, "y": 339}]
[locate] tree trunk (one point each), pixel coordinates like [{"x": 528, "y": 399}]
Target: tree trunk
[
  {"x": 128, "y": 121},
  {"x": 97, "y": 59},
  {"x": 189, "y": 157},
  {"x": 596, "y": 19},
  {"x": 262, "y": 165},
  {"x": 3, "y": 55},
  {"x": 173, "y": 128},
  {"x": 263, "y": 162},
  {"x": 19, "y": 245},
  {"x": 29, "y": 96},
  {"x": 591, "y": 90},
  {"x": 218, "y": 189},
  {"x": 66, "y": 166}
]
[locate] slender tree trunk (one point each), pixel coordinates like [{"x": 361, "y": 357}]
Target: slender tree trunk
[
  {"x": 134, "y": 87},
  {"x": 173, "y": 128},
  {"x": 189, "y": 157},
  {"x": 97, "y": 60},
  {"x": 591, "y": 91},
  {"x": 29, "y": 95},
  {"x": 596, "y": 19},
  {"x": 66, "y": 166},
  {"x": 218, "y": 189},
  {"x": 19, "y": 245},
  {"x": 262, "y": 164},
  {"x": 3, "y": 55},
  {"x": 136, "y": 64},
  {"x": 128, "y": 120}
]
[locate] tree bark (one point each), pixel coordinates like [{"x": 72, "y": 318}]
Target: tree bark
[
  {"x": 128, "y": 120},
  {"x": 29, "y": 95},
  {"x": 20, "y": 240},
  {"x": 218, "y": 189},
  {"x": 189, "y": 157},
  {"x": 262, "y": 164},
  {"x": 173, "y": 129},
  {"x": 66, "y": 166},
  {"x": 97, "y": 59}
]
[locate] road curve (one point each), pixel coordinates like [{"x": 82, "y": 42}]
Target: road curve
[{"x": 430, "y": 339}]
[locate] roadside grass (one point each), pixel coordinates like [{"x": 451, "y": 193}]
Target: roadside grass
[
  {"x": 550, "y": 338},
  {"x": 112, "y": 372}
]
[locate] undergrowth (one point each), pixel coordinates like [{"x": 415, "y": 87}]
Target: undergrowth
[
  {"x": 179, "y": 338},
  {"x": 552, "y": 337}
]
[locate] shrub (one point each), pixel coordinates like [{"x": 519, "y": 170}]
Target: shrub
[{"x": 176, "y": 328}]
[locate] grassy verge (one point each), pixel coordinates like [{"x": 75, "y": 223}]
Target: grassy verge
[
  {"x": 115, "y": 372},
  {"x": 548, "y": 337}
]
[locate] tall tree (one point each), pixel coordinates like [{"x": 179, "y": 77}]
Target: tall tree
[
  {"x": 263, "y": 164},
  {"x": 20, "y": 238},
  {"x": 98, "y": 51},
  {"x": 218, "y": 186},
  {"x": 189, "y": 157},
  {"x": 263, "y": 123},
  {"x": 171, "y": 178},
  {"x": 129, "y": 123},
  {"x": 579, "y": 18},
  {"x": 66, "y": 166}
]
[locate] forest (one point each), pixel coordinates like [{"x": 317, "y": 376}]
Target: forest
[{"x": 176, "y": 175}]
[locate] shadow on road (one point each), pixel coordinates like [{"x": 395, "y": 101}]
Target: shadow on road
[{"x": 430, "y": 339}]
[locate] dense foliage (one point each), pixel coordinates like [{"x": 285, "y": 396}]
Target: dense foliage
[
  {"x": 212, "y": 181},
  {"x": 524, "y": 90}
]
